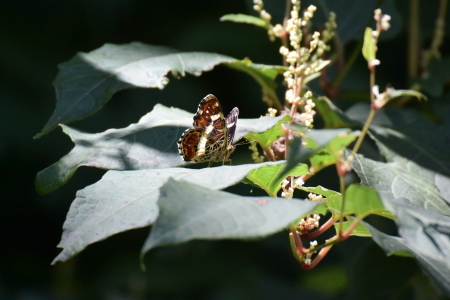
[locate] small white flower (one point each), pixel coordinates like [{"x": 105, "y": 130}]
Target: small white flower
[{"x": 299, "y": 181}]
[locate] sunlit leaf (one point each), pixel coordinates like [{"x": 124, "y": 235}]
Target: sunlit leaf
[
  {"x": 315, "y": 140},
  {"x": 86, "y": 82},
  {"x": 364, "y": 201},
  {"x": 369, "y": 47},
  {"x": 403, "y": 181},
  {"x": 241, "y": 18},
  {"x": 124, "y": 200},
  {"x": 267, "y": 177},
  {"x": 266, "y": 138},
  {"x": 332, "y": 199},
  {"x": 208, "y": 214},
  {"x": 150, "y": 143},
  {"x": 360, "y": 229}
]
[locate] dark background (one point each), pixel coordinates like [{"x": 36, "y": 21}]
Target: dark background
[{"x": 38, "y": 35}]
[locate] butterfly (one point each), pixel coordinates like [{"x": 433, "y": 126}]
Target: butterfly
[{"x": 211, "y": 139}]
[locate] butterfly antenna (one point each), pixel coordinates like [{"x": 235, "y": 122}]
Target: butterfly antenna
[{"x": 244, "y": 143}]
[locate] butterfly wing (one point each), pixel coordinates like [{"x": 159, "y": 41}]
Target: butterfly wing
[
  {"x": 231, "y": 121},
  {"x": 209, "y": 118}
]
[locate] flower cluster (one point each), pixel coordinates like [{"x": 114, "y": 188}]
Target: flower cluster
[
  {"x": 308, "y": 255},
  {"x": 310, "y": 222},
  {"x": 382, "y": 25},
  {"x": 382, "y": 22},
  {"x": 314, "y": 197},
  {"x": 381, "y": 98},
  {"x": 258, "y": 6},
  {"x": 288, "y": 192},
  {"x": 271, "y": 112}
]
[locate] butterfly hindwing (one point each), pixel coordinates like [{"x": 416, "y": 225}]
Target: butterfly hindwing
[{"x": 231, "y": 121}]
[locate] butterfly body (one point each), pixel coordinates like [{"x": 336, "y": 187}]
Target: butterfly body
[{"x": 211, "y": 139}]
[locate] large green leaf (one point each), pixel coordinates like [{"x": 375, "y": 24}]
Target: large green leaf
[
  {"x": 424, "y": 234},
  {"x": 268, "y": 178},
  {"x": 124, "y": 200},
  {"x": 404, "y": 181},
  {"x": 86, "y": 82},
  {"x": 150, "y": 143},
  {"x": 209, "y": 214},
  {"x": 415, "y": 144}
]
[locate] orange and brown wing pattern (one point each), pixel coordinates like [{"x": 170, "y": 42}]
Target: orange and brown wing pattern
[
  {"x": 210, "y": 118},
  {"x": 212, "y": 135}
]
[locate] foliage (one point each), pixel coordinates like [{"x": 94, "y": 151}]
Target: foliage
[{"x": 148, "y": 184}]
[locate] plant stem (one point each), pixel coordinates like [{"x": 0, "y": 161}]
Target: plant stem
[
  {"x": 369, "y": 118},
  {"x": 269, "y": 154},
  {"x": 297, "y": 241},
  {"x": 363, "y": 132},
  {"x": 320, "y": 230},
  {"x": 349, "y": 230},
  {"x": 341, "y": 216},
  {"x": 317, "y": 259}
]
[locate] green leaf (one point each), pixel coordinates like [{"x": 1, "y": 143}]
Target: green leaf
[
  {"x": 360, "y": 229},
  {"x": 266, "y": 138},
  {"x": 265, "y": 76},
  {"x": 330, "y": 154},
  {"x": 124, "y": 200},
  {"x": 403, "y": 93},
  {"x": 267, "y": 177},
  {"x": 86, "y": 82},
  {"x": 316, "y": 140},
  {"x": 392, "y": 93},
  {"x": 369, "y": 47},
  {"x": 424, "y": 234},
  {"x": 207, "y": 214},
  {"x": 333, "y": 199},
  {"x": 150, "y": 143},
  {"x": 331, "y": 115},
  {"x": 409, "y": 135},
  {"x": 241, "y": 18},
  {"x": 403, "y": 181},
  {"x": 360, "y": 200},
  {"x": 364, "y": 201}
]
